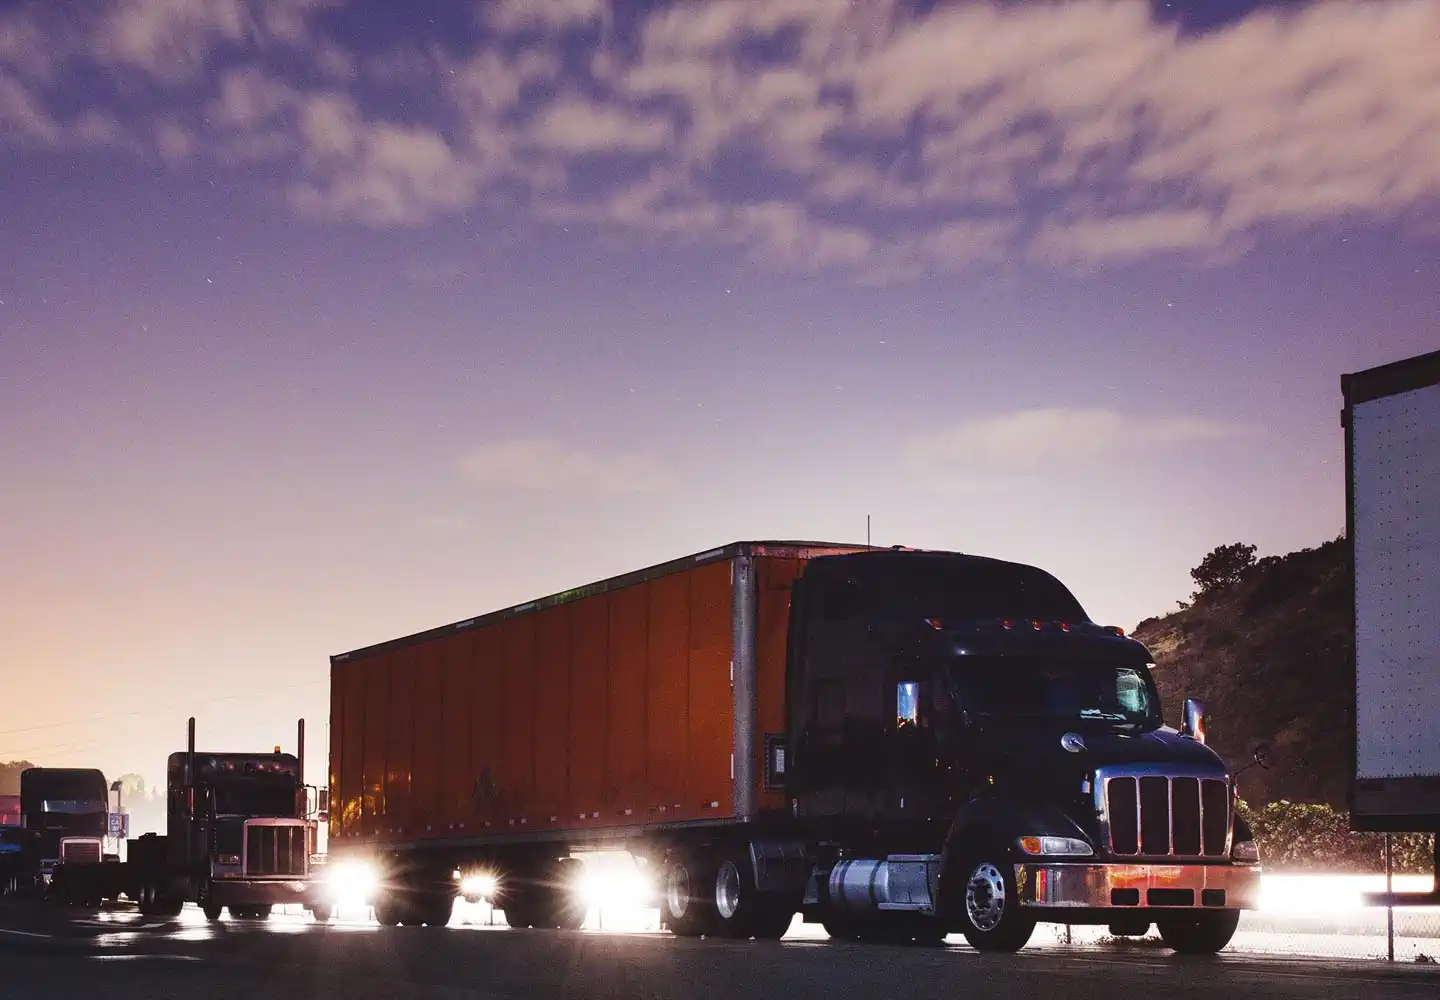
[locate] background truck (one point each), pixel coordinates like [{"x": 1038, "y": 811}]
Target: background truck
[
  {"x": 896, "y": 744},
  {"x": 1391, "y": 420},
  {"x": 239, "y": 835},
  {"x": 68, "y": 811}
]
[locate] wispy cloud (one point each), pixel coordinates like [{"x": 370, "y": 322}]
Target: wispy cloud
[
  {"x": 1008, "y": 449},
  {"x": 542, "y": 465},
  {"x": 872, "y": 138}
]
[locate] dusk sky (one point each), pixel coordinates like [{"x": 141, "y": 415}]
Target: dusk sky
[{"x": 324, "y": 322}]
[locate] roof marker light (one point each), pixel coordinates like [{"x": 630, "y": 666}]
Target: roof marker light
[{"x": 933, "y": 623}]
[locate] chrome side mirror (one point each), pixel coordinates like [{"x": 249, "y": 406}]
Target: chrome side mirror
[{"x": 1193, "y": 724}]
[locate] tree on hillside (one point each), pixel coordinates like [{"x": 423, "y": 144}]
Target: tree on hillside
[
  {"x": 1225, "y": 566},
  {"x": 145, "y": 805},
  {"x": 10, "y": 775}
]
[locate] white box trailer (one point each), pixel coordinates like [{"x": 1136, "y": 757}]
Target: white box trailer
[{"x": 1392, "y": 457}]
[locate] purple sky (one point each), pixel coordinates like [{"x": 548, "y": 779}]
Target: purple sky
[{"x": 322, "y": 323}]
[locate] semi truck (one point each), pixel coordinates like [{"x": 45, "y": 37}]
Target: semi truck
[
  {"x": 68, "y": 811},
  {"x": 239, "y": 835},
  {"x": 1391, "y": 422},
  {"x": 896, "y": 744}
]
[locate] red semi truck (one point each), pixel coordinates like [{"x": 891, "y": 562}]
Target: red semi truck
[{"x": 898, "y": 744}]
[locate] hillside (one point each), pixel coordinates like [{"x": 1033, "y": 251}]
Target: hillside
[{"x": 1266, "y": 647}]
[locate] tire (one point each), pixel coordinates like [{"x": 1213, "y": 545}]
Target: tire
[
  {"x": 1202, "y": 933},
  {"x": 687, "y": 905},
  {"x": 387, "y": 910},
  {"x": 989, "y": 911},
  {"x": 567, "y": 910},
  {"x": 435, "y": 909},
  {"x": 529, "y": 902},
  {"x": 323, "y": 912},
  {"x": 740, "y": 910},
  {"x": 212, "y": 911}
]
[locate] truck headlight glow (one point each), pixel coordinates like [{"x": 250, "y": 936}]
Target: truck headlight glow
[
  {"x": 350, "y": 881},
  {"x": 478, "y": 886},
  {"x": 1245, "y": 850},
  {"x": 1056, "y": 847},
  {"x": 614, "y": 889}
]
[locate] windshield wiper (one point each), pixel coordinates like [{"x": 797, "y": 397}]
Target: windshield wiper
[{"x": 1096, "y": 713}]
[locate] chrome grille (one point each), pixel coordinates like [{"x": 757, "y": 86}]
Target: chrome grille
[
  {"x": 1149, "y": 815},
  {"x": 275, "y": 850},
  {"x": 80, "y": 852}
]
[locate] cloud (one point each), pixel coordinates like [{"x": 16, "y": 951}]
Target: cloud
[
  {"x": 552, "y": 15},
  {"x": 875, "y": 137},
  {"x": 545, "y": 466},
  {"x": 379, "y": 172},
  {"x": 578, "y": 127},
  {"x": 1006, "y": 449},
  {"x": 172, "y": 39}
]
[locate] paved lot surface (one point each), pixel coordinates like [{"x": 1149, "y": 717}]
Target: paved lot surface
[{"x": 118, "y": 956}]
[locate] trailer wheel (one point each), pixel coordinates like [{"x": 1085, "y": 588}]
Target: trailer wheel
[
  {"x": 434, "y": 908},
  {"x": 568, "y": 910},
  {"x": 687, "y": 908},
  {"x": 1199, "y": 934},
  {"x": 387, "y": 910}
]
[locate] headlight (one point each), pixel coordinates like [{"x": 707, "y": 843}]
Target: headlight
[
  {"x": 350, "y": 879},
  {"x": 477, "y": 887},
  {"x": 1245, "y": 850},
  {"x": 617, "y": 889},
  {"x": 1056, "y": 846}
]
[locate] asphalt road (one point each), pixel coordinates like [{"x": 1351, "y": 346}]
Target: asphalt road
[{"x": 120, "y": 957}]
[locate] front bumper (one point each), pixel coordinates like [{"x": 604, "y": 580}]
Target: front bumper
[
  {"x": 1138, "y": 887},
  {"x": 256, "y": 892}
]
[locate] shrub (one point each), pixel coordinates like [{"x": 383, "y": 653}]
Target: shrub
[{"x": 1303, "y": 837}]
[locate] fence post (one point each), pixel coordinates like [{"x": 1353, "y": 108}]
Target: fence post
[{"x": 1389, "y": 910}]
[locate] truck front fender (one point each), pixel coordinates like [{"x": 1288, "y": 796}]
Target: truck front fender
[{"x": 996, "y": 822}]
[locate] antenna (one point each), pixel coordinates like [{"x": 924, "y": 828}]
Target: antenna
[{"x": 867, "y": 531}]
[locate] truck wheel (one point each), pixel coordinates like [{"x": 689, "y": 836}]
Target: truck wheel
[
  {"x": 387, "y": 910},
  {"x": 687, "y": 909},
  {"x": 434, "y": 909},
  {"x": 213, "y": 911},
  {"x": 322, "y": 912},
  {"x": 990, "y": 914},
  {"x": 1200, "y": 933},
  {"x": 527, "y": 902},
  {"x": 740, "y": 910},
  {"x": 568, "y": 910}
]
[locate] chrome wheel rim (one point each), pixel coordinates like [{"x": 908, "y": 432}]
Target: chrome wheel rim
[
  {"x": 985, "y": 897},
  {"x": 727, "y": 890},
  {"x": 677, "y": 891}
]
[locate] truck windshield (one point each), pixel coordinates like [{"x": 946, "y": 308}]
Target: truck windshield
[
  {"x": 1062, "y": 690},
  {"x": 254, "y": 800}
]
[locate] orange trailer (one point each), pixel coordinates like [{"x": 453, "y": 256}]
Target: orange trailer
[{"x": 646, "y": 701}]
